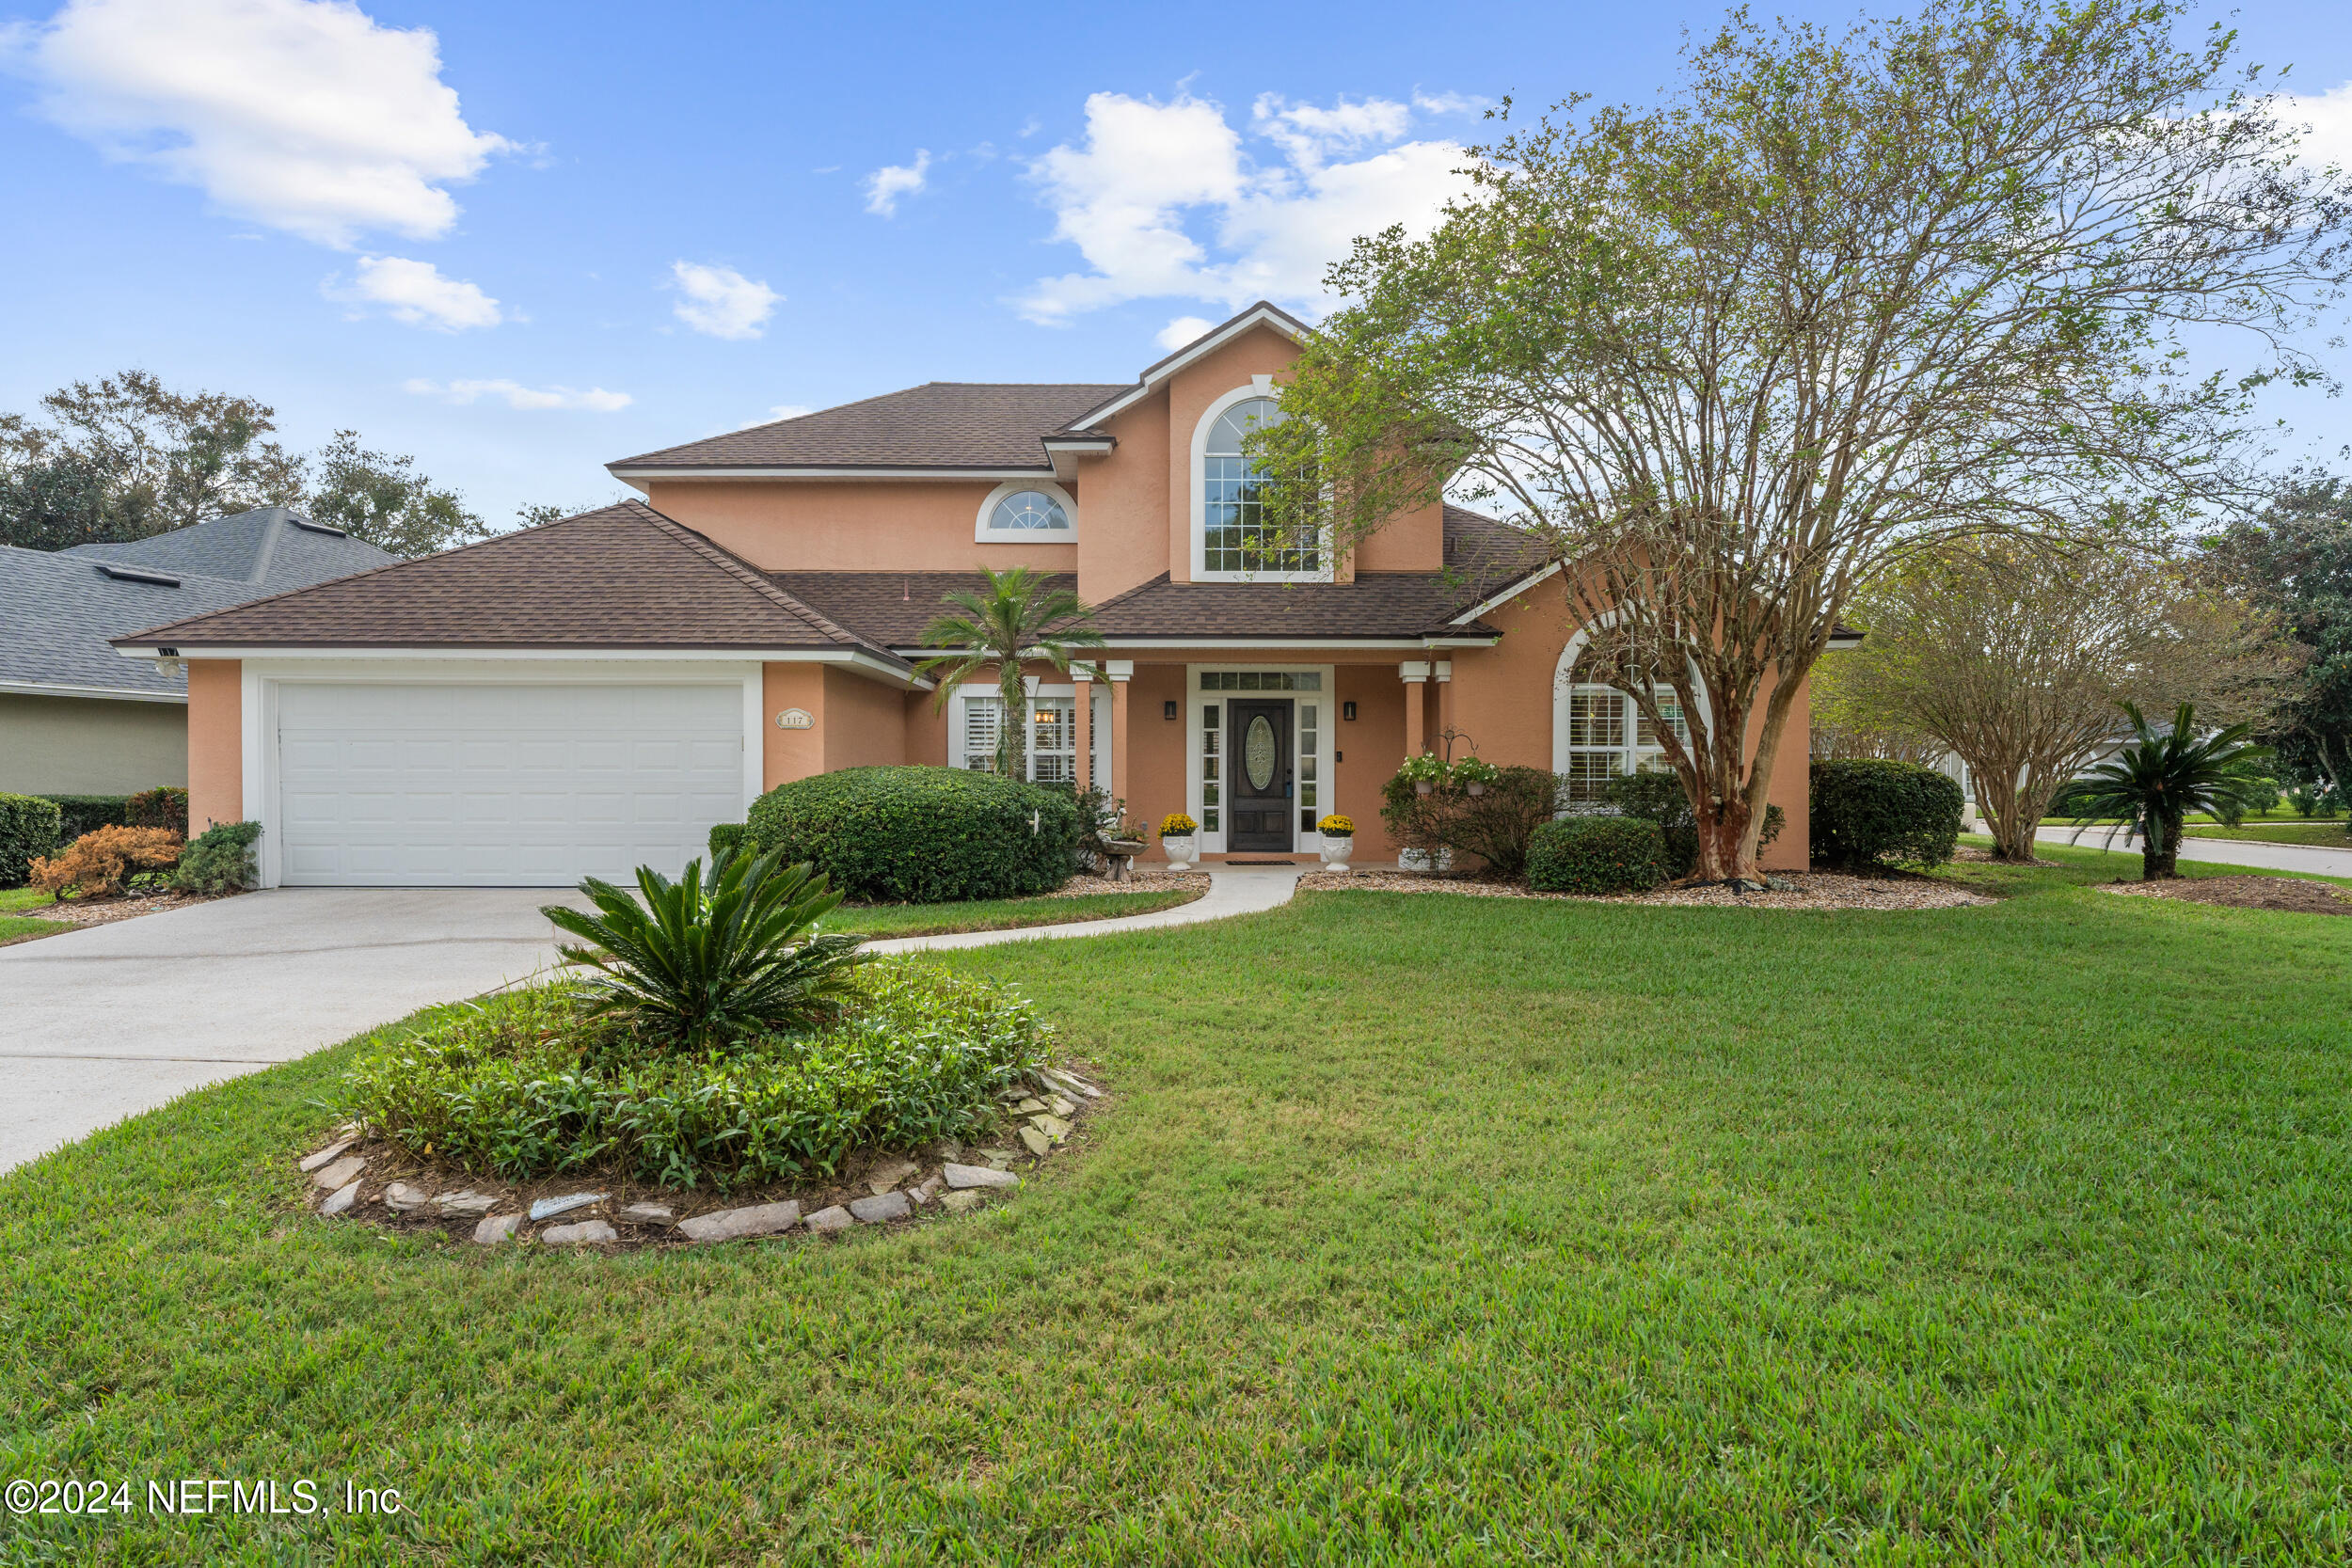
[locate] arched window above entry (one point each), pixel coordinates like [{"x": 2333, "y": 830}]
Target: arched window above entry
[
  {"x": 1028, "y": 511},
  {"x": 1233, "y": 536}
]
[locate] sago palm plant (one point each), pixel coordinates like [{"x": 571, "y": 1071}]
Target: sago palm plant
[
  {"x": 1019, "y": 616},
  {"x": 714, "y": 956},
  {"x": 2154, "y": 782}
]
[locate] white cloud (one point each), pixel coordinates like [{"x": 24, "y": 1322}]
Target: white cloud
[
  {"x": 1183, "y": 331},
  {"x": 516, "y": 395},
  {"x": 1164, "y": 200},
  {"x": 885, "y": 186},
  {"x": 721, "y": 301},
  {"x": 780, "y": 411},
  {"x": 417, "y": 293},
  {"x": 2328, "y": 115},
  {"x": 303, "y": 115}
]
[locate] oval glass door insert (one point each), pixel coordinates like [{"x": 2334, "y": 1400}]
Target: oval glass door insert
[{"x": 1257, "y": 753}]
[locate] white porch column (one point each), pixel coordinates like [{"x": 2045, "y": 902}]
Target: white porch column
[
  {"x": 1414, "y": 674},
  {"x": 1085, "y": 715}
]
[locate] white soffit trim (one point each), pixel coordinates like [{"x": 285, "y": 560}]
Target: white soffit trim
[
  {"x": 631, "y": 476},
  {"x": 1261, "y": 315},
  {"x": 105, "y": 694},
  {"x": 863, "y": 662}
]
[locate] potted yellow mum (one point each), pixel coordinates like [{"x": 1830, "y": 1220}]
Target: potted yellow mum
[
  {"x": 1338, "y": 840},
  {"x": 1176, "y": 838}
]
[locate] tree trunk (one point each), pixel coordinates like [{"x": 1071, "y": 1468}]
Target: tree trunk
[{"x": 2160, "y": 851}]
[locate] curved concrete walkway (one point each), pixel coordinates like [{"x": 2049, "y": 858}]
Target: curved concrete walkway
[
  {"x": 102, "y": 1023},
  {"x": 2251, "y": 853},
  {"x": 1232, "y": 890}
]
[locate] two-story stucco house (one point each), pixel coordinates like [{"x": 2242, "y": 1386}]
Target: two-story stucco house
[{"x": 595, "y": 692}]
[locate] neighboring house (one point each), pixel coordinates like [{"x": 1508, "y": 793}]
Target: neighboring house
[
  {"x": 78, "y": 719},
  {"x": 597, "y": 692}
]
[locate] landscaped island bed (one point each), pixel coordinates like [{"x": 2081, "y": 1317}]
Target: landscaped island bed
[{"x": 1425, "y": 1228}]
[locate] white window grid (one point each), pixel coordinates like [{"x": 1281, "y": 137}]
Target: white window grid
[
  {"x": 1236, "y": 535},
  {"x": 1608, "y": 738},
  {"x": 1053, "y": 736}
]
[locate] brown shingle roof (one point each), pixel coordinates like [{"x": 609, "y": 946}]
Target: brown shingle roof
[
  {"x": 889, "y": 607},
  {"x": 624, "y": 576},
  {"x": 1375, "y": 605},
  {"x": 941, "y": 425}
]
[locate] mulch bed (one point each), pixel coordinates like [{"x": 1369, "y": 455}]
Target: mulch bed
[
  {"x": 1803, "y": 890},
  {"x": 2290, "y": 894},
  {"x": 106, "y": 911}
]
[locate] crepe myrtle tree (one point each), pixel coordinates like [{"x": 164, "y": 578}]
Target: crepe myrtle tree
[
  {"x": 1020, "y": 616},
  {"x": 2017, "y": 656},
  {"x": 1837, "y": 301}
]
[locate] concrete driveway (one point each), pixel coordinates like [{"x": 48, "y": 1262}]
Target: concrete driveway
[{"x": 102, "y": 1023}]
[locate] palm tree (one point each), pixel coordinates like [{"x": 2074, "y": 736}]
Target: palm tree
[
  {"x": 2153, "y": 784},
  {"x": 1019, "y": 616}
]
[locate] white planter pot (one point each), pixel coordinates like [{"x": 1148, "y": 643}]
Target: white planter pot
[
  {"x": 1419, "y": 860},
  {"x": 1181, "y": 852},
  {"x": 1337, "y": 853}
]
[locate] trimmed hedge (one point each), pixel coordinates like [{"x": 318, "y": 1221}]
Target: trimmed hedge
[
  {"x": 1869, "y": 812},
  {"x": 31, "y": 827},
  {"x": 86, "y": 814},
  {"x": 725, "y": 836},
  {"x": 164, "y": 806},
  {"x": 1597, "y": 855},
  {"x": 219, "y": 860},
  {"x": 922, "y": 835}
]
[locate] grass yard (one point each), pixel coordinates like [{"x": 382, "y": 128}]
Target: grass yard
[
  {"x": 17, "y": 918},
  {"x": 1000, "y": 914},
  {"x": 1421, "y": 1228},
  {"x": 2328, "y": 835}
]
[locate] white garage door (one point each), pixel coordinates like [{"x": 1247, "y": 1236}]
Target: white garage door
[{"x": 459, "y": 785}]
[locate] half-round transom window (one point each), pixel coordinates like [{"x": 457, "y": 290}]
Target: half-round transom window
[
  {"x": 1028, "y": 511},
  {"x": 1236, "y": 534}
]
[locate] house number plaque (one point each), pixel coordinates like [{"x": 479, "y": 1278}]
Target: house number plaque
[{"x": 795, "y": 718}]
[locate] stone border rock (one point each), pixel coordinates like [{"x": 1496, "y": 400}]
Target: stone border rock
[{"x": 380, "y": 1183}]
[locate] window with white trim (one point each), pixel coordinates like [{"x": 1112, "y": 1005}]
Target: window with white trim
[
  {"x": 1053, "y": 736},
  {"x": 1028, "y": 511},
  {"x": 1608, "y": 737},
  {"x": 1236, "y": 534}
]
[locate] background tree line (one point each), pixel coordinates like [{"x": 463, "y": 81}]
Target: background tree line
[{"x": 126, "y": 457}]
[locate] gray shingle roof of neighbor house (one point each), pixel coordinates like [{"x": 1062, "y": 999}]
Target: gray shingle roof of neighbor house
[
  {"x": 58, "y": 608},
  {"x": 941, "y": 425},
  {"x": 621, "y": 576}
]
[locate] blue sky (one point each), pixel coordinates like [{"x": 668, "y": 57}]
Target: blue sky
[{"x": 520, "y": 240}]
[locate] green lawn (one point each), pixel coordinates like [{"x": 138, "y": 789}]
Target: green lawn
[
  {"x": 2326, "y": 834},
  {"x": 999, "y": 915},
  {"x": 1421, "y": 1228},
  {"x": 16, "y": 923}
]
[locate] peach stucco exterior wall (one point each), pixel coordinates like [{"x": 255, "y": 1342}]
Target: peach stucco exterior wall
[
  {"x": 215, "y": 742},
  {"x": 789, "y": 755},
  {"x": 853, "y": 525},
  {"x": 1122, "y": 530},
  {"x": 865, "y": 722}
]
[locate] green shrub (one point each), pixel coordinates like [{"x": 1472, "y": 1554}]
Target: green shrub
[
  {"x": 164, "y": 806},
  {"x": 31, "y": 827},
  {"x": 529, "y": 1084},
  {"x": 219, "y": 860},
  {"x": 1493, "y": 824},
  {"x": 713, "y": 955},
  {"x": 725, "y": 837},
  {"x": 86, "y": 814},
  {"x": 1656, "y": 795},
  {"x": 1597, "y": 855},
  {"x": 1869, "y": 812},
  {"x": 922, "y": 835}
]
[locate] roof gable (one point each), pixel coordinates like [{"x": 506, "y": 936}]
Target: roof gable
[{"x": 622, "y": 576}]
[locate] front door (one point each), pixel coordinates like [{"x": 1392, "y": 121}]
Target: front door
[{"x": 1258, "y": 748}]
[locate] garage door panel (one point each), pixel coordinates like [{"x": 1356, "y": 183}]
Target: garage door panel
[{"x": 387, "y": 784}]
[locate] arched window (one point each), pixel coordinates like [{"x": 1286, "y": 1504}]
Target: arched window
[
  {"x": 1032, "y": 511},
  {"x": 1603, "y": 735},
  {"x": 1236, "y": 535}
]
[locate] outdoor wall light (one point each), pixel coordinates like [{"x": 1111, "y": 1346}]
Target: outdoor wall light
[
  {"x": 1168, "y": 709},
  {"x": 1348, "y": 711}
]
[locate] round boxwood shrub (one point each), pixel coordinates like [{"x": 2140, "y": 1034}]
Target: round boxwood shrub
[
  {"x": 922, "y": 835},
  {"x": 1596, "y": 855},
  {"x": 1869, "y": 812}
]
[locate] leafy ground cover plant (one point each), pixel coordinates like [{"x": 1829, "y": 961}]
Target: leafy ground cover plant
[
  {"x": 537, "y": 1082},
  {"x": 219, "y": 860},
  {"x": 718, "y": 954},
  {"x": 95, "y": 865}
]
